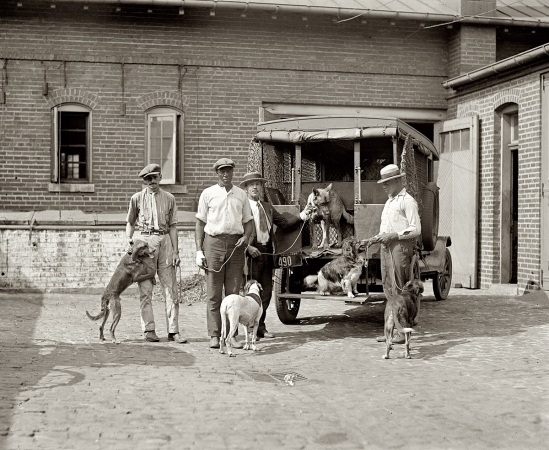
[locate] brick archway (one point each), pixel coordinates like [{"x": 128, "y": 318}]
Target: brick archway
[
  {"x": 163, "y": 98},
  {"x": 73, "y": 95}
]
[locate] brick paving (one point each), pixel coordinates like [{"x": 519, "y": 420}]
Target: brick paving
[{"x": 477, "y": 379}]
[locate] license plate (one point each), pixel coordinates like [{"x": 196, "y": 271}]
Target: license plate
[{"x": 288, "y": 260}]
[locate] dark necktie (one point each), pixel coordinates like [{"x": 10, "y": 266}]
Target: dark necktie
[{"x": 262, "y": 218}]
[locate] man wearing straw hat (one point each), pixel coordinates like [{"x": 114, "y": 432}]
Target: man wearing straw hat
[
  {"x": 262, "y": 245},
  {"x": 223, "y": 230},
  {"x": 400, "y": 226}
]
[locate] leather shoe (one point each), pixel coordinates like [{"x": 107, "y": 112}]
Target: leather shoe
[
  {"x": 151, "y": 336},
  {"x": 176, "y": 337},
  {"x": 236, "y": 344},
  {"x": 214, "y": 342},
  {"x": 265, "y": 335},
  {"x": 398, "y": 339}
]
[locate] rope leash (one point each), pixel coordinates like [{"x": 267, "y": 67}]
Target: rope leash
[{"x": 226, "y": 261}]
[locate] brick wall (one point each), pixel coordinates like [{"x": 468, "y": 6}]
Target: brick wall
[
  {"x": 57, "y": 260},
  {"x": 525, "y": 91},
  {"x": 471, "y": 47},
  {"x": 231, "y": 67}
]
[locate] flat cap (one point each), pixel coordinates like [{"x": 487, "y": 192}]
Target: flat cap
[
  {"x": 224, "y": 162},
  {"x": 151, "y": 169}
]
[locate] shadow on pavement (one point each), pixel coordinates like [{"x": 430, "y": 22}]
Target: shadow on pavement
[
  {"x": 442, "y": 324},
  {"x": 29, "y": 364}
]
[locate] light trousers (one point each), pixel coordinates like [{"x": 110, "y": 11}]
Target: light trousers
[{"x": 162, "y": 263}]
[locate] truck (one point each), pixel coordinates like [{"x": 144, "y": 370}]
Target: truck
[{"x": 297, "y": 155}]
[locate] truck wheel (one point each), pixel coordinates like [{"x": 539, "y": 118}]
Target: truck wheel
[
  {"x": 443, "y": 279},
  {"x": 286, "y": 308},
  {"x": 429, "y": 217}
]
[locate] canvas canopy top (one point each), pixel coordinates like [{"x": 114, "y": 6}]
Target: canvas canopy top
[{"x": 351, "y": 128}]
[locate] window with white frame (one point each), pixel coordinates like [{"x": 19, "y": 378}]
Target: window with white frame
[
  {"x": 71, "y": 149},
  {"x": 164, "y": 143}
]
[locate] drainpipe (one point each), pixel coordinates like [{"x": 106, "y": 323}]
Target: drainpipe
[{"x": 339, "y": 12}]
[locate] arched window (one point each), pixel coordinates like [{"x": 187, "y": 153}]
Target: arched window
[
  {"x": 71, "y": 149},
  {"x": 164, "y": 142}
]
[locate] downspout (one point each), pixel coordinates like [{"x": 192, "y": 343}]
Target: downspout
[{"x": 332, "y": 11}]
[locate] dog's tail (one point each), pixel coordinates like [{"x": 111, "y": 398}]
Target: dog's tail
[
  {"x": 399, "y": 327},
  {"x": 348, "y": 217},
  {"x": 310, "y": 281},
  {"x": 104, "y": 302}
]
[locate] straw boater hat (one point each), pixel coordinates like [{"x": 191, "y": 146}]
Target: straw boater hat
[
  {"x": 390, "y": 172},
  {"x": 251, "y": 176}
]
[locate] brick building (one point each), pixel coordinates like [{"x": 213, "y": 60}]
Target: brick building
[{"x": 93, "y": 90}]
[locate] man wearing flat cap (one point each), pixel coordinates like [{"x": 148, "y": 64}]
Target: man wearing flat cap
[
  {"x": 262, "y": 245},
  {"x": 154, "y": 212},
  {"x": 223, "y": 228},
  {"x": 400, "y": 226}
]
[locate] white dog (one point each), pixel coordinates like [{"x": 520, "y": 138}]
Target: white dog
[{"x": 246, "y": 310}]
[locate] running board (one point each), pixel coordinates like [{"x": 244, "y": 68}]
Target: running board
[{"x": 360, "y": 299}]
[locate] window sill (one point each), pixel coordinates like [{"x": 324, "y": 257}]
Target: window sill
[
  {"x": 71, "y": 187},
  {"x": 175, "y": 188}
]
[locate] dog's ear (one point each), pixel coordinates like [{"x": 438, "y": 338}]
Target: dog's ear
[
  {"x": 347, "y": 248},
  {"x": 259, "y": 285},
  {"x": 315, "y": 192},
  {"x": 327, "y": 188},
  {"x": 247, "y": 286},
  {"x": 138, "y": 249}
]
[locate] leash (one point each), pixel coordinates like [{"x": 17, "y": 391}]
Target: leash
[
  {"x": 226, "y": 261},
  {"x": 291, "y": 245}
]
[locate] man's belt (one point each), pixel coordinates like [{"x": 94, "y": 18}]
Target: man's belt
[{"x": 148, "y": 233}]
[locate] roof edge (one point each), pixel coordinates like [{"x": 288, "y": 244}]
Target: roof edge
[
  {"x": 340, "y": 12},
  {"x": 498, "y": 68}
]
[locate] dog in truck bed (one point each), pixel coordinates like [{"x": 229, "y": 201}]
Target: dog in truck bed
[
  {"x": 342, "y": 273},
  {"x": 328, "y": 211}
]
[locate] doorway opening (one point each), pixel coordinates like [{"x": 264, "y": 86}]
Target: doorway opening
[{"x": 509, "y": 195}]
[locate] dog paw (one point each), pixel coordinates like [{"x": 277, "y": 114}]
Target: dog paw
[
  {"x": 254, "y": 348},
  {"x": 350, "y": 295},
  {"x": 114, "y": 341},
  {"x": 246, "y": 347},
  {"x": 222, "y": 351},
  {"x": 408, "y": 357},
  {"x": 385, "y": 356},
  {"x": 232, "y": 355}
]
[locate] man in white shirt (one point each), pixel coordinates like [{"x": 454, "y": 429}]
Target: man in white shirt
[
  {"x": 262, "y": 245},
  {"x": 223, "y": 230},
  {"x": 400, "y": 226}
]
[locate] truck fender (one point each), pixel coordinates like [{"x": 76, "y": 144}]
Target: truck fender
[{"x": 435, "y": 260}]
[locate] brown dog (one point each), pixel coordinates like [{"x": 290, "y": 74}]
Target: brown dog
[
  {"x": 329, "y": 210},
  {"x": 130, "y": 270},
  {"x": 401, "y": 312},
  {"x": 341, "y": 273}
]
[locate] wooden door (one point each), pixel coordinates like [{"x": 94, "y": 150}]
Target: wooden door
[{"x": 457, "y": 177}]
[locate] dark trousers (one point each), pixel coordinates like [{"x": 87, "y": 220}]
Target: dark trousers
[
  {"x": 395, "y": 266},
  {"x": 261, "y": 269},
  {"x": 217, "y": 250}
]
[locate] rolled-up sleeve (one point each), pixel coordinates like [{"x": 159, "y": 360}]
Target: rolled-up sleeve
[
  {"x": 202, "y": 211},
  {"x": 413, "y": 229},
  {"x": 131, "y": 217}
]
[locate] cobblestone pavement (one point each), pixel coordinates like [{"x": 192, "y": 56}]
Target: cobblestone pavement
[{"x": 478, "y": 379}]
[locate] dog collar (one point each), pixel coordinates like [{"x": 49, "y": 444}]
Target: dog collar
[{"x": 256, "y": 297}]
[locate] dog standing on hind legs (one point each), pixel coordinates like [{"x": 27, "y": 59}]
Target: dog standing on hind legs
[
  {"x": 246, "y": 310},
  {"x": 131, "y": 269},
  {"x": 401, "y": 313}
]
